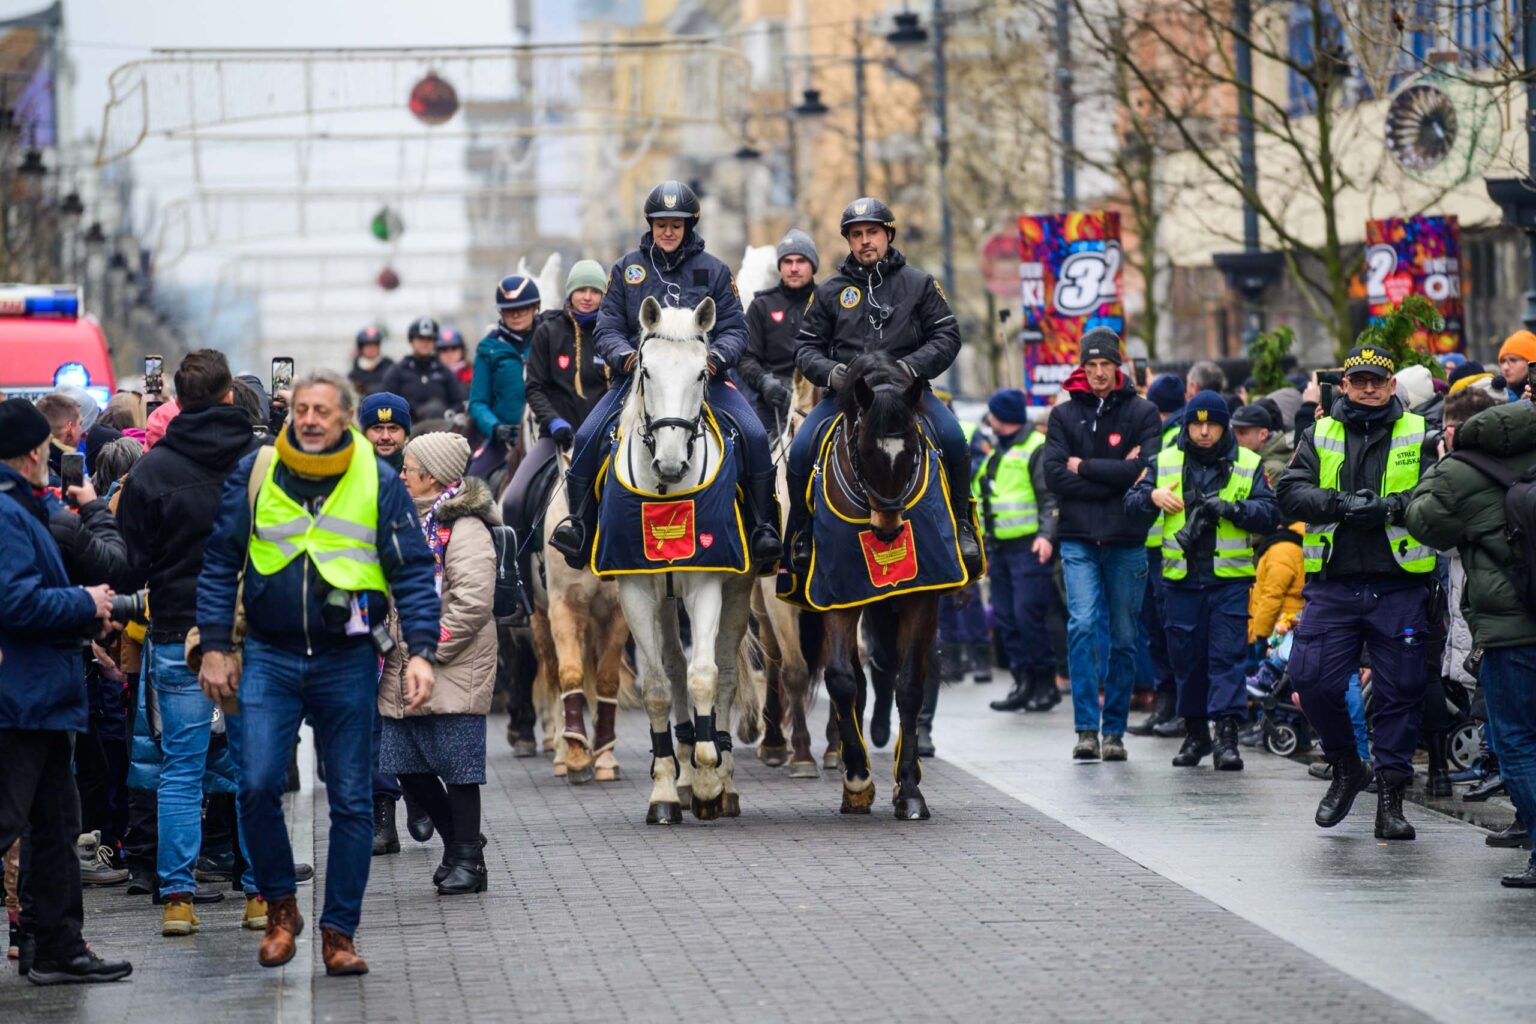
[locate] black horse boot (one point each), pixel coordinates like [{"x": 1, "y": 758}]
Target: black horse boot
[
  {"x": 1018, "y": 697},
  {"x": 1350, "y": 776},
  {"x": 1390, "y": 823},
  {"x": 466, "y": 870},
  {"x": 1228, "y": 757},
  {"x": 1197, "y": 743},
  {"x": 573, "y": 535}
]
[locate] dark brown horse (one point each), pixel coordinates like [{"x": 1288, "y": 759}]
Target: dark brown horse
[{"x": 879, "y": 450}]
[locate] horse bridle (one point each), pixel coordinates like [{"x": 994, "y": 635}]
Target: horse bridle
[
  {"x": 648, "y": 426},
  {"x": 877, "y": 501}
]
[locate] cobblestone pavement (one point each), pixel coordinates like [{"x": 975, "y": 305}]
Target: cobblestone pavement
[{"x": 1039, "y": 891}]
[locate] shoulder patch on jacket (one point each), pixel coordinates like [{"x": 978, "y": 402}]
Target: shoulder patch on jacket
[
  {"x": 850, "y": 297},
  {"x": 634, "y": 274}
]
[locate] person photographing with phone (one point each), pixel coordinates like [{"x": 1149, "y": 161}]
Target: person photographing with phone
[{"x": 320, "y": 534}]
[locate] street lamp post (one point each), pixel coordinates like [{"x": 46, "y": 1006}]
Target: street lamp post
[
  {"x": 1066, "y": 105},
  {"x": 1517, "y": 196}
]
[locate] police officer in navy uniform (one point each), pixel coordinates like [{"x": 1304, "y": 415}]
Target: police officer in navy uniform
[
  {"x": 876, "y": 300},
  {"x": 773, "y": 326},
  {"x": 429, "y": 387},
  {"x": 1368, "y": 581},
  {"x": 672, "y": 267}
]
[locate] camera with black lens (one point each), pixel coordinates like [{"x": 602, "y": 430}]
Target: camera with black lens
[{"x": 127, "y": 607}]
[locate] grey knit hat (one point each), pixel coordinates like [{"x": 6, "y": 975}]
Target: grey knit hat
[
  {"x": 797, "y": 243},
  {"x": 443, "y": 455},
  {"x": 586, "y": 274}
]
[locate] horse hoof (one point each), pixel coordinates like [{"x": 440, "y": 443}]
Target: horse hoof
[
  {"x": 832, "y": 760},
  {"x": 664, "y": 814},
  {"x": 523, "y": 748},
  {"x": 733, "y": 805},
  {"x": 773, "y": 757},
  {"x": 911, "y": 808},
  {"x": 606, "y": 772},
  {"x": 708, "y": 810},
  {"x": 803, "y": 770},
  {"x": 858, "y": 801},
  {"x": 579, "y": 776},
  {"x": 685, "y": 794},
  {"x": 578, "y": 757}
]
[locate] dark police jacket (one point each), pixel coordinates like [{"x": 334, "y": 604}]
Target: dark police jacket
[
  {"x": 693, "y": 273},
  {"x": 427, "y": 386},
  {"x": 891, "y": 307},
  {"x": 1359, "y": 552},
  {"x": 773, "y": 326}
]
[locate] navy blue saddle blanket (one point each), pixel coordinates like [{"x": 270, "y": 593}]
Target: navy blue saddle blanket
[
  {"x": 850, "y": 566},
  {"x": 695, "y": 529}
]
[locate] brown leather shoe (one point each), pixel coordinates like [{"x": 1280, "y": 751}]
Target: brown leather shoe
[
  {"x": 340, "y": 958},
  {"x": 284, "y": 925}
]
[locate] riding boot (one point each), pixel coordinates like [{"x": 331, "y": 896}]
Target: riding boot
[
  {"x": 1390, "y": 823},
  {"x": 1043, "y": 694},
  {"x": 797, "y": 528},
  {"x": 574, "y": 534},
  {"x": 1197, "y": 743},
  {"x": 764, "y": 540},
  {"x": 963, "y": 507},
  {"x": 1227, "y": 757}
]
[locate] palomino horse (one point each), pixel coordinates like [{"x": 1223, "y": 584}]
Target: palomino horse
[
  {"x": 665, "y": 445},
  {"x": 789, "y": 673},
  {"x": 878, "y": 450}
]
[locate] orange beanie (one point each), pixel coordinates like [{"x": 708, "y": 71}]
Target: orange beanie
[{"x": 1522, "y": 344}]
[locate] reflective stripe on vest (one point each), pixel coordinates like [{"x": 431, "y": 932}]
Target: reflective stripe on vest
[
  {"x": 1155, "y": 533},
  {"x": 1402, "y": 474},
  {"x": 342, "y": 540},
  {"x": 1007, "y": 497},
  {"x": 1233, "y": 558}
]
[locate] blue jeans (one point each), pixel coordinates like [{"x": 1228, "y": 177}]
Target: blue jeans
[
  {"x": 186, "y": 722},
  {"x": 1114, "y": 576},
  {"x": 1354, "y": 697},
  {"x": 1508, "y": 677},
  {"x": 337, "y": 690}
]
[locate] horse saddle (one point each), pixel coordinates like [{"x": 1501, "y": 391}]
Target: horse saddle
[{"x": 525, "y": 512}]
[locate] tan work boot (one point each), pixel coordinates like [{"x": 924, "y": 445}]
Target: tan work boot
[
  {"x": 178, "y": 918},
  {"x": 339, "y": 955},
  {"x": 284, "y": 925},
  {"x": 255, "y": 919}
]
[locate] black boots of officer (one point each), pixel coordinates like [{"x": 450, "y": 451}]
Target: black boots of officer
[
  {"x": 1033, "y": 690},
  {"x": 1390, "y": 823},
  {"x": 1163, "y": 710},
  {"x": 1227, "y": 756},
  {"x": 573, "y": 535},
  {"x": 1197, "y": 743},
  {"x": 385, "y": 838},
  {"x": 763, "y": 540},
  {"x": 1350, "y": 776}
]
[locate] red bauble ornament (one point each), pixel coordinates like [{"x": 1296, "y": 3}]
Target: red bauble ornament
[
  {"x": 433, "y": 100},
  {"x": 388, "y": 279}
]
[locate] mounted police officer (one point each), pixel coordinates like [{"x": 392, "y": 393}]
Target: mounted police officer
[
  {"x": 876, "y": 300},
  {"x": 672, "y": 267},
  {"x": 773, "y": 328},
  {"x": 1368, "y": 580},
  {"x": 1211, "y": 499}
]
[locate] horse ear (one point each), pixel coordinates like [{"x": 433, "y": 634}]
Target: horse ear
[
  {"x": 650, "y": 314},
  {"x": 914, "y": 393},
  {"x": 863, "y": 393},
  {"x": 704, "y": 315}
]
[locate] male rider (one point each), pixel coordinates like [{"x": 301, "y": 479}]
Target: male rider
[
  {"x": 773, "y": 327},
  {"x": 877, "y": 301},
  {"x": 672, "y": 267}
]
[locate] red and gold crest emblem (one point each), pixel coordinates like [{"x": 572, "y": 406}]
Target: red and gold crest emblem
[
  {"x": 667, "y": 528},
  {"x": 889, "y": 563}
]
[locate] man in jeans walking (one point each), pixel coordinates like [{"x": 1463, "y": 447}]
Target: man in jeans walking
[
  {"x": 166, "y": 513},
  {"x": 334, "y": 537},
  {"x": 1097, "y": 442}
]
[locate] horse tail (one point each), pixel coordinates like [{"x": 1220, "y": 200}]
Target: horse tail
[{"x": 751, "y": 689}]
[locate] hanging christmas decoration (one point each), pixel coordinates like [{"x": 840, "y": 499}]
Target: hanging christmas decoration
[
  {"x": 433, "y": 100},
  {"x": 386, "y": 225},
  {"x": 388, "y": 279}
]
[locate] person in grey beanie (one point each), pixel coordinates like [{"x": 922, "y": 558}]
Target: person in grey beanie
[{"x": 773, "y": 321}]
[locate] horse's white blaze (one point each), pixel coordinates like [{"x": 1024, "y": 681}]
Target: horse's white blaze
[{"x": 893, "y": 446}]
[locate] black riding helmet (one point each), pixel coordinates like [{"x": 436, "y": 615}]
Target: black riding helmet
[
  {"x": 868, "y": 210},
  {"x": 672, "y": 199}
]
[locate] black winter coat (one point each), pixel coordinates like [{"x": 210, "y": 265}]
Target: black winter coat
[
  {"x": 891, "y": 307},
  {"x": 167, "y": 509},
  {"x": 427, "y": 386},
  {"x": 369, "y": 381},
  {"x": 560, "y": 351},
  {"x": 773, "y": 327},
  {"x": 1091, "y": 501},
  {"x": 93, "y": 548},
  {"x": 1359, "y": 552}
]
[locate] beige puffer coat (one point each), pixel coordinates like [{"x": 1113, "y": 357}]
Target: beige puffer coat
[{"x": 465, "y": 673}]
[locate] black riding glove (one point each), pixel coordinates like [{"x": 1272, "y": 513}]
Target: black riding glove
[
  {"x": 561, "y": 433},
  {"x": 838, "y": 377},
  {"x": 505, "y": 434},
  {"x": 776, "y": 393}
]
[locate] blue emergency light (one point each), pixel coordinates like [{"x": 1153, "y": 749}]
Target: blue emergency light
[
  {"x": 40, "y": 300},
  {"x": 72, "y": 375}
]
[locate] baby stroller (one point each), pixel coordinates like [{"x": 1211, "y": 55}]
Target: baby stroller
[{"x": 1285, "y": 728}]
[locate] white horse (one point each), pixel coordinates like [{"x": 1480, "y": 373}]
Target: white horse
[{"x": 664, "y": 446}]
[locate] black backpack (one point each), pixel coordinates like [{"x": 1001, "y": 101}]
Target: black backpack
[
  {"x": 510, "y": 605},
  {"x": 1519, "y": 518}
]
